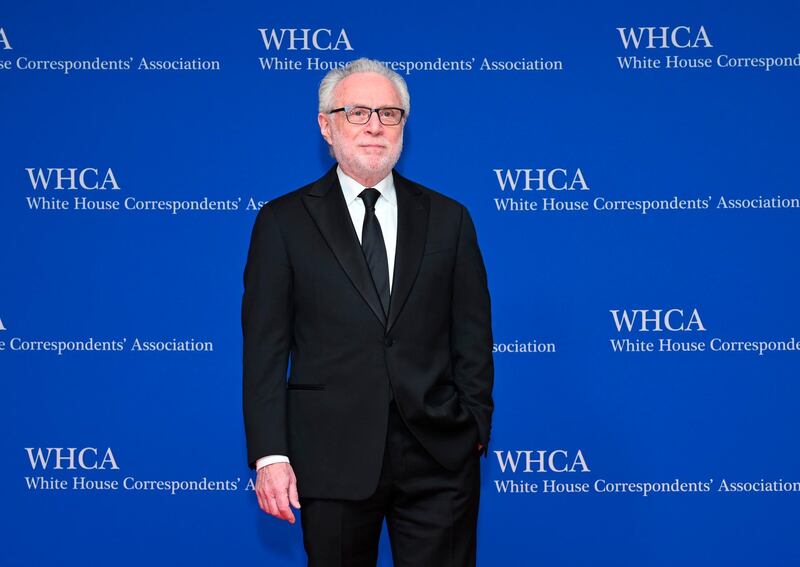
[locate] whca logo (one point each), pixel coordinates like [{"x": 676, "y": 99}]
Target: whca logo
[{"x": 4, "y": 39}]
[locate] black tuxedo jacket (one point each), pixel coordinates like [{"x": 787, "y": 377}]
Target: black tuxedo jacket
[{"x": 310, "y": 306}]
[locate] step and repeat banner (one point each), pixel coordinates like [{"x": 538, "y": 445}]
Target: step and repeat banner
[{"x": 631, "y": 172}]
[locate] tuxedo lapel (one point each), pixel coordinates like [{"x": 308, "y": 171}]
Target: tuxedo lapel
[
  {"x": 325, "y": 203},
  {"x": 412, "y": 227}
]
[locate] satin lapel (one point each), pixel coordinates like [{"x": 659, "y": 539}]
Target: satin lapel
[
  {"x": 325, "y": 203},
  {"x": 412, "y": 229}
]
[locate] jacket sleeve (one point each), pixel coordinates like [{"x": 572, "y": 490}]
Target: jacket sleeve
[
  {"x": 267, "y": 335},
  {"x": 471, "y": 330}
]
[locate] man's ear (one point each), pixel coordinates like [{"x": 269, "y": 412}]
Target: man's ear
[{"x": 325, "y": 127}]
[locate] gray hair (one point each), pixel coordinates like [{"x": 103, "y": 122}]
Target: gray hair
[{"x": 362, "y": 65}]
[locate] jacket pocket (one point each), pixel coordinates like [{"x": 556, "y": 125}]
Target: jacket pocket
[
  {"x": 291, "y": 386},
  {"x": 438, "y": 250}
]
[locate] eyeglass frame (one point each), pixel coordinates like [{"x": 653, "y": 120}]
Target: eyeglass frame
[{"x": 349, "y": 107}]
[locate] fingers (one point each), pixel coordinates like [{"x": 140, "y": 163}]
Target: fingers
[
  {"x": 294, "y": 498},
  {"x": 272, "y": 507},
  {"x": 275, "y": 486},
  {"x": 284, "y": 512},
  {"x": 261, "y": 491}
]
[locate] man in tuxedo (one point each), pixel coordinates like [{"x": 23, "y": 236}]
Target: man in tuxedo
[{"x": 371, "y": 291}]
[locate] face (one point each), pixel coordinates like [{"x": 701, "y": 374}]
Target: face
[{"x": 365, "y": 152}]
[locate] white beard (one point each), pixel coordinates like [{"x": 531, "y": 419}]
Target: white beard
[{"x": 366, "y": 167}]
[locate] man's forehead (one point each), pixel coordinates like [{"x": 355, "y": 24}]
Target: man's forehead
[{"x": 366, "y": 87}]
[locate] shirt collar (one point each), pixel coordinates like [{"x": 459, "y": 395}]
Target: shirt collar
[{"x": 352, "y": 188}]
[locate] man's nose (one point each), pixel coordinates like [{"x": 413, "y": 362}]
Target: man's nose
[{"x": 374, "y": 124}]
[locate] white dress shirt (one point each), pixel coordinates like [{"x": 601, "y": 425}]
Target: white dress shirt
[{"x": 386, "y": 213}]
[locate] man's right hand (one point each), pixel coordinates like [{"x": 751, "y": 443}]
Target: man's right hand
[{"x": 276, "y": 488}]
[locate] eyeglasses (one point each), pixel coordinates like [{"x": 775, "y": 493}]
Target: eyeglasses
[{"x": 389, "y": 116}]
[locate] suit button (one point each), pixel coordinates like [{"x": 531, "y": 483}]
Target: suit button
[{"x": 388, "y": 341}]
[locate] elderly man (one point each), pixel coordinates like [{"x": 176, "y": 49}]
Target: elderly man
[{"x": 371, "y": 291}]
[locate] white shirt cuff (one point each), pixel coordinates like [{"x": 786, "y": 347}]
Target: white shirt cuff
[{"x": 271, "y": 460}]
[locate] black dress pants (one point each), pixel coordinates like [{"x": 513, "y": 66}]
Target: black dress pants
[{"x": 431, "y": 513}]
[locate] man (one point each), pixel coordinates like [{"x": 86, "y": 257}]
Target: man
[{"x": 371, "y": 288}]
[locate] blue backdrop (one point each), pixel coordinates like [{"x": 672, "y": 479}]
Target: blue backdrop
[{"x": 630, "y": 170}]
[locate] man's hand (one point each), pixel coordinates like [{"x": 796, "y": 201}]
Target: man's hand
[{"x": 276, "y": 487}]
